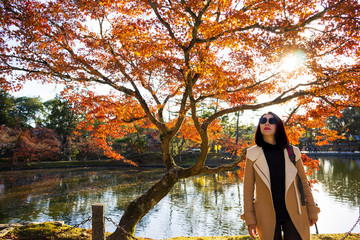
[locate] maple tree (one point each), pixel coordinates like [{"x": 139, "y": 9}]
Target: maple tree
[
  {"x": 36, "y": 144},
  {"x": 156, "y": 55}
]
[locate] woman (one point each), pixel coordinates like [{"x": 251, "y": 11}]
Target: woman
[{"x": 272, "y": 202}]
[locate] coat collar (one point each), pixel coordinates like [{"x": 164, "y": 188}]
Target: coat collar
[
  {"x": 262, "y": 168},
  {"x": 257, "y": 155},
  {"x": 290, "y": 171}
]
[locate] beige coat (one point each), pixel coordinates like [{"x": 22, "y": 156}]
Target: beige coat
[{"x": 258, "y": 204}]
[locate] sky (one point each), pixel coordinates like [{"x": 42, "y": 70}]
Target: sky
[{"x": 34, "y": 89}]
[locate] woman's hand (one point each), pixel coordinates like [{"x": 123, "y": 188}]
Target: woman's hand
[
  {"x": 252, "y": 230},
  {"x": 312, "y": 221}
]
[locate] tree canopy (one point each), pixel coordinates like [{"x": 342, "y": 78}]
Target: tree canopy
[
  {"x": 156, "y": 55},
  {"x": 180, "y": 54}
]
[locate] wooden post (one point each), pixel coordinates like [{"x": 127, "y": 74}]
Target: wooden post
[{"x": 98, "y": 221}]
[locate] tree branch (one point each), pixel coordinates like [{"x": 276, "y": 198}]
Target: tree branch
[{"x": 225, "y": 167}]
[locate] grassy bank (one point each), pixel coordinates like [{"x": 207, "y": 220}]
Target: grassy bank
[
  {"x": 149, "y": 159},
  {"x": 52, "y": 231},
  {"x": 62, "y": 164},
  {"x": 4, "y": 166}
]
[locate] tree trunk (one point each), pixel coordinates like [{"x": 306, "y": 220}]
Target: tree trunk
[
  {"x": 142, "y": 205},
  {"x": 138, "y": 208},
  {"x": 181, "y": 148},
  {"x": 237, "y": 131}
]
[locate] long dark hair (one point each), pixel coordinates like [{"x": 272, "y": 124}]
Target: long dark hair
[{"x": 281, "y": 137}]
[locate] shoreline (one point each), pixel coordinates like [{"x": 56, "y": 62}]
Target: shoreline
[
  {"x": 105, "y": 163},
  {"x": 156, "y": 163},
  {"x": 355, "y": 154},
  {"x": 57, "y": 228}
]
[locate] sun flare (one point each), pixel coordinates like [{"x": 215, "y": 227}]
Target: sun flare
[{"x": 293, "y": 61}]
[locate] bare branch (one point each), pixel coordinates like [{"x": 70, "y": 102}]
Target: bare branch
[
  {"x": 225, "y": 167},
  {"x": 291, "y": 115}
]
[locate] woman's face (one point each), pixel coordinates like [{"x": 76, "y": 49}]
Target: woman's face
[{"x": 268, "y": 128}]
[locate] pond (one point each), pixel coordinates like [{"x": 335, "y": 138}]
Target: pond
[{"x": 200, "y": 206}]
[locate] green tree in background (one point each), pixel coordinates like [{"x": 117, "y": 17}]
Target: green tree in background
[
  {"x": 29, "y": 110},
  {"x": 347, "y": 125},
  {"x": 62, "y": 119},
  {"x": 7, "y": 109}
]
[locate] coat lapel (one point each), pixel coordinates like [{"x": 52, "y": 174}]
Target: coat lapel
[
  {"x": 290, "y": 171},
  {"x": 262, "y": 168}
]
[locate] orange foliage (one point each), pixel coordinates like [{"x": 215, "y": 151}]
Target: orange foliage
[
  {"x": 294, "y": 133},
  {"x": 312, "y": 164},
  {"x": 160, "y": 55},
  {"x": 327, "y": 135},
  {"x": 231, "y": 147},
  {"x": 107, "y": 120},
  {"x": 34, "y": 144},
  {"x": 188, "y": 130},
  {"x": 313, "y": 119}
]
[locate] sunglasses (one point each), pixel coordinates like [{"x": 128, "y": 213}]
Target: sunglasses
[{"x": 264, "y": 120}]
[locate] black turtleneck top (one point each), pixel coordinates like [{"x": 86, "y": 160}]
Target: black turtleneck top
[{"x": 276, "y": 162}]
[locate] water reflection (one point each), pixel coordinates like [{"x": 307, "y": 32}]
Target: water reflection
[
  {"x": 200, "y": 206},
  {"x": 338, "y": 194},
  {"x": 341, "y": 179},
  {"x": 67, "y": 194},
  {"x": 203, "y": 206}
]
